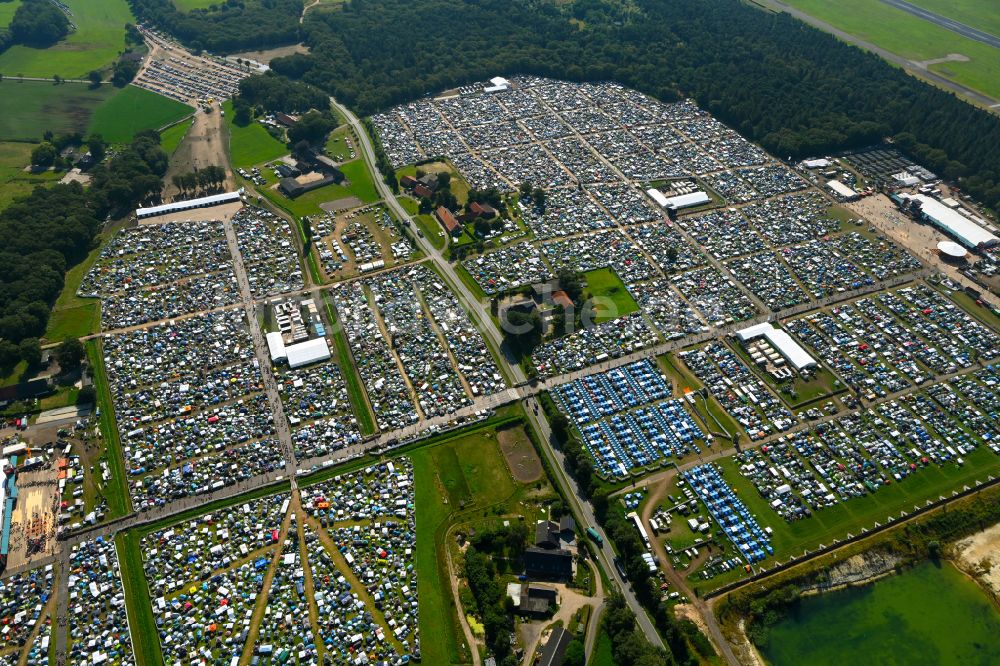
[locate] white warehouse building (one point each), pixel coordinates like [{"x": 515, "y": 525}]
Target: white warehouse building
[
  {"x": 793, "y": 352},
  {"x": 964, "y": 230}
]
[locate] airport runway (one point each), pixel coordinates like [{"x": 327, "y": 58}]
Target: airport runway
[{"x": 946, "y": 23}]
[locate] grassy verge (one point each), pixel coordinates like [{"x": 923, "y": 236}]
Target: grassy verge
[
  {"x": 431, "y": 230},
  {"x": 355, "y": 388},
  {"x": 172, "y": 136},
  {"x": 145, "y": 642},
  {"x": 116, "y": 490}
]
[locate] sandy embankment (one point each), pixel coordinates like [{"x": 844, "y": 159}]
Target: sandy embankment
[{"x": 979, "y": 556}]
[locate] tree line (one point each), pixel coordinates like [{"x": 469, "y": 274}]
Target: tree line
[
  {"x": 792, "y": 88},
  {"x": 54, "y": 227},
  {"x": 229, "y": 26}
]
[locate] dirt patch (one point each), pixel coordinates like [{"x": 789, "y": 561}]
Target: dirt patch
[
  {"x": 205, "y": 144},
  {"x": 338, "y": 205},
  {"x": 267, "y": 55},
  {"x": 689, "y": 612},
  {"x": 951, "y": 57},
  {"x": 521, "y": 457},
  {"x": 33, "y": 522},
  {"x": 979, "y": 556}
]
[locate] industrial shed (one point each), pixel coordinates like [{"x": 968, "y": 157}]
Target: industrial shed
[
  {"x": 964, "y": 230},
  {"x": 190, "y": 204},
  {"x": 793, "y": 352},
  {"x": 304, "y": 353}
]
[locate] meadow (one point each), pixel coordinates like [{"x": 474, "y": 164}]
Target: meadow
[
  {"x": 912, "y": 38},
  {"x": 28, "y": 108},
  {"x": 132, "y": 109},
  {"x": 614, "y": 299},
  {"x": 252, "y": 144},
  {"x": 7, "y": 10},
  {"x": 172, "y": 136},
  {"x": 14, "y": 180},
  {"x": 96, "y": 42},
  {"x": 849, "y": 517}
]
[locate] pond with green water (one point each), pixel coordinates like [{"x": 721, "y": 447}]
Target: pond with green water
[{"x": 931, "y": 614}]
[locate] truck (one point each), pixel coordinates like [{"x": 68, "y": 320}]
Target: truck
[{"x": 594, "y": 536}]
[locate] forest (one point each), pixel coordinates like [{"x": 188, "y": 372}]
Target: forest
[
  {"x": 54, "y": 227},
  {"x": 795, "y": 90},
  {"x": 228, "y": 26},
  {"x": 36, "y": 23}
]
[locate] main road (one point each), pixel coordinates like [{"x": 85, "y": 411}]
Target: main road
[{"x": 582, "y": 508}]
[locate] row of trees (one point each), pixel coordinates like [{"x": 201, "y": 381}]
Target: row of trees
[
  {"x": 54, "y": 227},
  {"x": 492, "y": 603},
  {"x": 200, "y": 181},
  {"x": 796, "y": 90},
  {"x": 229, "y": 26}
]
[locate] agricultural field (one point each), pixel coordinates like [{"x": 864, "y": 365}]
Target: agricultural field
[
  {"x": 14, "y": 180},
  {"x": 913, "y": 38},
  {"x": 29, "y": 108},
  {"x": 96, "y": 42},
  {"x": 131, "y": 110}
]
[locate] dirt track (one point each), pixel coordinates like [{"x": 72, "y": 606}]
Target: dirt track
[{"x": 203, "y": 145}]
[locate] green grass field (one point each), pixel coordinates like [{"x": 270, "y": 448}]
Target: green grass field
[
  {"x": 116, "y": 491},
  {"x": 72, "y": 316},
  {"x": 171, "y": 137},
  {"x": 96, "y": 42},
  {"x": 188, "y": 5},
  {"x": 29, "y": 108},
  {"x": 980, "y": 14},
  {"x": 252, "y": 144},
  {"x": 912, "y": 38},
  {"x": 14, "y": 181},
  {"x": 604, "y": 283},
  {"x": 355, "y": 388},
  {"x": 465, "y": 475},
  {"x": 7, "y": 10},
  {"x": 134, "y": 109},
  {"x": 790, "y": 539}
]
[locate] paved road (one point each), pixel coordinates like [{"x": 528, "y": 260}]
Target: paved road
[
  {"x": 946, "y": 23},
  {"x": 583, "y": 508},
  {"x": 910, "y": 66}
]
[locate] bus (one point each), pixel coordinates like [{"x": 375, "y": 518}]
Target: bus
[{"x": 594, "y": 536}]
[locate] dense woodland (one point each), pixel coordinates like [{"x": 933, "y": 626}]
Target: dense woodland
[
  {"x": 276, "y": 93},
  {"x": 37, "y": 23},
  {"x": 54, "y": 228},
  {"x": 778, "y": 81},
  {"x": 233, "y": 25}
]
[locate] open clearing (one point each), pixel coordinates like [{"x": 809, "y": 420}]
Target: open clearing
[
  {"x": 251, "y": 144},
  {"x": 613, "y": 299},
  {"x": 29, "y": 108},
  {"x": 521, "y": 458},
  {"x": 132, "y": 110},
  {"x": 14, "y": 180},
  {"x": 912, "y": 38},
  {"x": 981, "y": 553},
  {"x": 7, "y": 10},
  {"x": 96, "y": 42}
]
